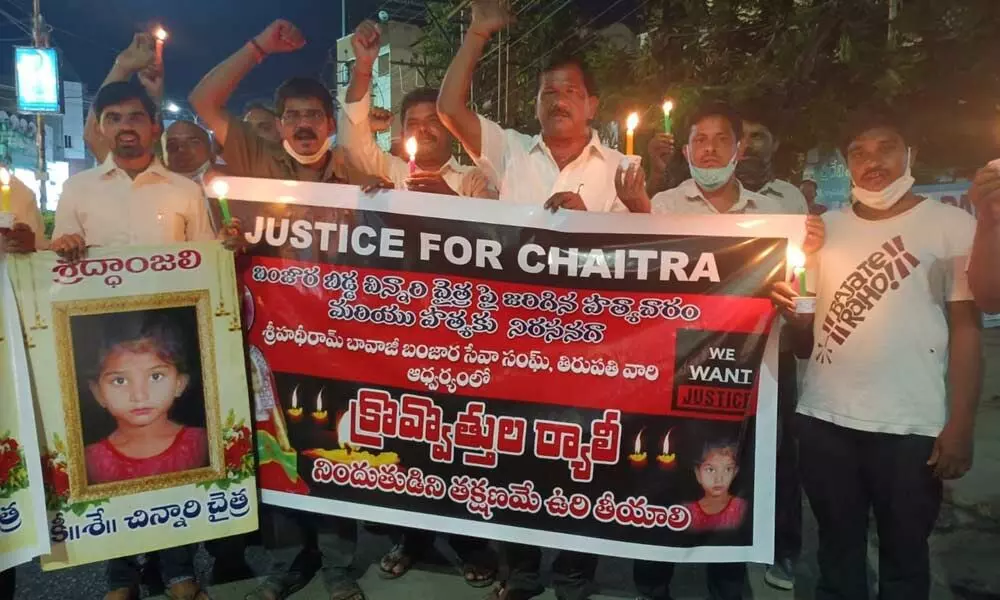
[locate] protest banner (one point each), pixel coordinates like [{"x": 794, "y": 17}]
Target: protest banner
[
  {"x": 23, "y": 534},
  {"x": 479, "y": 368},
  {"x": 138, "y": 365}
]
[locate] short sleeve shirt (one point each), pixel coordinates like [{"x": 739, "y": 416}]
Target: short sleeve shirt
[
  {"x": 688, "y": 199},
  {"x": 789, "y": 196},
  {"x": 880, "y": 358}
]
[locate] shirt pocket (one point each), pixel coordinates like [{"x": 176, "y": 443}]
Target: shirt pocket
[{"x": 167, "y": 227}]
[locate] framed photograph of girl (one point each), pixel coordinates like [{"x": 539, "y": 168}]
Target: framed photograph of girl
[{"x": 139, "y": 394}]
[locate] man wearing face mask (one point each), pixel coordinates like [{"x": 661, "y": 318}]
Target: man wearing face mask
[
  {"x": 889, "y": 400},
  {"x": 756, "y": 169},
  {"x": 305, "y": 112},
  {"x": 567, "y": 164},
  {"x": 438, "y": 171}
]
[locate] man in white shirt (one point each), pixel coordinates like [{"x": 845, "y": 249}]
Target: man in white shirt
[
  {"x": 756, "y": 168},
  {"x": 437, "y": 170},
  {"x": 28, "y": 232},
  {"x": 889, "y": 400},
  {"x": 984, "y": 266},
  {"x": 566, "y": 166},
  {"x": 132, "y": 199},
  {"x": 714, "y": 145}
]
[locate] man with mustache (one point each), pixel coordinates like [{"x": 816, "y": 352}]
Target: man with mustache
[
  {"x": 566, "y": 166},
  {"x": 566, "y": 163},
  {"x": 889, "y": 400},
  {"x": 715, "y": 144},
  {"x": 755, "y": 169},
  {"x": 984, "y": 266},
  {"x": 438, "y": 172},
  {"x": 132, "y": 199},
  {"x": 188, "y": 150},
  {"x": 305, "y": 117}
]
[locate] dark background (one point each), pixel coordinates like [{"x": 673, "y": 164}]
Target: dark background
[
  {"x": 86, "y": 332},
  {"x": 664, "y": 488}
]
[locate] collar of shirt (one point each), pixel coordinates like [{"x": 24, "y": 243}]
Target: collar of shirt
[
  {"x": 594, "y": 147},
  {"x": 454, "y": 166},
  {"x": 746, "y": 203},
  {"x": 109, "y": 168}
]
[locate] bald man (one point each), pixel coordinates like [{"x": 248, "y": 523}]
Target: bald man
[
  {"x": 263, "y": 121},
  {"x": 187, "y": 150}
]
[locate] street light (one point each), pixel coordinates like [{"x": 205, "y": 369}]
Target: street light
[{"x": 172, "y": 107}]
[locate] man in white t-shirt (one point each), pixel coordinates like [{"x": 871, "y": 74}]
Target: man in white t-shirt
[
  {"x": 890, "y": 395},
  {"x": 984, "y": 266}
]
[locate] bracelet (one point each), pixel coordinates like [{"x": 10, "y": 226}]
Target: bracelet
[{"x": 259, "y": 53}]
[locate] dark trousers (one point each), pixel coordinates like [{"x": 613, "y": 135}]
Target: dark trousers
[
  {"x": 7, "y": 584},
  {"x": 175, "y": 565},
  {"x": 725, "y": 580},
  {"x": 416, "y": 542},
  {"x": 846, "y": 473},
  {"x": 788, "y": 487},
  {"x": 572, "y": 572},
  {"x": 229, "y": 559},
  {"x": 325, "y": 541}
]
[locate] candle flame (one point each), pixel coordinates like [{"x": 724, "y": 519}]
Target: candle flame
[
  {"x": 295, "y": 397},
  {"x": 161, "y": 34},
  {"x": 344, "y": 429},
  {"x": 666, "y": 443},
  {"x": 4, "y": 176},
  {"x": 220, "y": 188},
  {"x": 411, "y": 148},
  {"x": 319, "y": 401},
  {"x": 638, "y": 443},
  {"x": 632, "y": 122},
  {"x": 668, "y": 106},
  {"x": 796, "y": 257}
]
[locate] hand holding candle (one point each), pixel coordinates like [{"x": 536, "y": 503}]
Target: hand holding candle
[
  {"x": 668, "y": 124},
  {"x": 411, "y": 150},
  {"x": 630, "y": 124},
  {"x": 804, "y": 304},
  {"x": 161, "y": 36}
]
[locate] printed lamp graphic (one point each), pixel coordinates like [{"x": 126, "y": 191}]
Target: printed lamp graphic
[
  {"x": 667, "y": 460},
  {"x": 348, "y": 453},
  {"x": 638, "y": 457},
  {"x": 295, "y": 411}
]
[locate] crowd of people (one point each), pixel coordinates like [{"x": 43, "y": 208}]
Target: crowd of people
[{"x": 887, "y": 408}]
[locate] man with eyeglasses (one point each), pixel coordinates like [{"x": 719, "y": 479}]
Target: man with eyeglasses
[{"x": 304, "y": 106}]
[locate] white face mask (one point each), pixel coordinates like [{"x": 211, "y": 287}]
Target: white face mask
[
  {"x": 712, "y": 179},
  {"x": 888, "y": 197},
  {"x": 312, "y": 158}
]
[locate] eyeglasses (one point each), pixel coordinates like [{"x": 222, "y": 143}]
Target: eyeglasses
[{"x": 309, "y": 116}]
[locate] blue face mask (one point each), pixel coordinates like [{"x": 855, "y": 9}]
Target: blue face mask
[{"x": 712, "y": 179}]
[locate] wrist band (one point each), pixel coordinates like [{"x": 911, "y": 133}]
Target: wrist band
[{"x": 257, "y": 50}]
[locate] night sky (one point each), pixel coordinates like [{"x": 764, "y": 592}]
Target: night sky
[{"x": 203, "y": 32}]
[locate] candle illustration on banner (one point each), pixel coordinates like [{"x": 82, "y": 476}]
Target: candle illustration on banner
[
  {"x": 667, "y": 460},
  {"x": 294, "y": 411},
  {"x": 349, "y": 453},
  {"x": 161, "y": 36},
  {"x": 320, "y": 416},
  {"x": 221, "y": 189},
  {"x": 668, "y": 123},
  {"x": 630, "y": 124},
  {"x": 804, "y": 303},
  {"x": 638, "y": 457},
  {"x": 411, "y": 149}
]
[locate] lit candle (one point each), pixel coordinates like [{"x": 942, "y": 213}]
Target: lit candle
[
  {"x": 221, "y": 189},
  {"x": 294, "y": 412},
  {"x": 411, "y": 149},
  {"x": 668, "y": 124},
  {"x": 320, "y": 416},
  {"x": 667, "y": 460},
  {"x": 5, "y": 190},
  {"x": 638, "y": 458},
  {"x": 347, "y": 453},
  {"x": 797, "y": 261},
  {"x": 161, "y": 36},
  {"x": 630, "y": 124}
]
